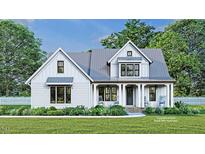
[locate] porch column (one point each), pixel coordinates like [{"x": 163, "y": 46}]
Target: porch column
[
  {"x": 167, "y": 102},
  {"x": 172, "y": 95},
  {"x": 138, "y": 92},
  {"x": 142, "y": 98},
  {"x": 124, "y": 95},
  {"x": 94, "y": 95},
  {"x": 119, "y": 95}
]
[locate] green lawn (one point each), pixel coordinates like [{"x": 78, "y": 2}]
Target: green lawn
[{"x": 143, "y": 125}]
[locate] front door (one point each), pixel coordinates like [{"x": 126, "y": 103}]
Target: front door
[{"x": 129, "y": 96}]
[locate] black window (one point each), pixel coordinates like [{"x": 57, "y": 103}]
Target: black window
[
  {"x": 137, "y": 73},
  {"x": 108, "y": 93},
  {"x": 68, "y": 94},
  {"x": 60, "y": 94},
  {"x": 114, "y": 93},
  {"x": 130, "y": 70},
  {"x": 53, "y": 95},
  {"x": 60, "y": 66},
  {"x": 123, "y": 70},
  {"x": 152, "y": 93},
  {"x": 129, "y": 53}
]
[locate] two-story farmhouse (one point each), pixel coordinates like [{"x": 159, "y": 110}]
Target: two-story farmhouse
[{"x": 129, "y": 76}]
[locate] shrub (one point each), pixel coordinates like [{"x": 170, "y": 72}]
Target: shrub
[
  {"x": 2, "y": 110},
  {"x": 20, "y": 110},
  {"x": 55, "y": 112},
  {"x": 97, "y": 111},
  {"x": 39, "y": 111},
  {"x": 195, "y": 111},
  {"x": 184, "y": 109},
  {"x": 13, "y": 112},
  {"x": 68, "y": 110},
  {"x": 173, "y": 110},
  {"x": 149, "y": 110},
  {"x": 179, "y": 104},
  {"x": 91, "y": 112},
  {"x": 159, "y": 110},
  {"x": 26, "y": 112},
  {"x": 79, "y": 110},
  {"x": 117, "y": 110},
  {"x": 52, "y": 108}
]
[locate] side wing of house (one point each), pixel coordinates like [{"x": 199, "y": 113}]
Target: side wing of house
[{"x": 60, "y": 83}]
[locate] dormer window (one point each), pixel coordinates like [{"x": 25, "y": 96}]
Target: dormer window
[
  {"x": 60, "y": 66},
  {"x": 130, "y": 69},
  {"x": 129, "y": 53}
]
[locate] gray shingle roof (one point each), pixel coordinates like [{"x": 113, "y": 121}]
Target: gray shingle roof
[
  {"x": 59, "y": 80},
  {"x": 95, "y": 64}
]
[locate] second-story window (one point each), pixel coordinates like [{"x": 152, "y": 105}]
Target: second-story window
[
  {"x": 60, "y": 66},
  {"x": 130, "y": 69}
]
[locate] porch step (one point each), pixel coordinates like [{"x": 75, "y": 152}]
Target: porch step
[{"x": 133, "y": 109}]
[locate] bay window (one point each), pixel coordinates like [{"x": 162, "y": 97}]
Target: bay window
[
  {"x": 108, "y": 93},
  {"x": 60, "y": 94},
  {"x": 130, "y": 69}
]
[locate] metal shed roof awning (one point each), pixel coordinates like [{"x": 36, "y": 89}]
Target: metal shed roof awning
[{"x": 59, "y": 81}]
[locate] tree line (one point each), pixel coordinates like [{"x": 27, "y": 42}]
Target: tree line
[{"x": 182, "y": 43}]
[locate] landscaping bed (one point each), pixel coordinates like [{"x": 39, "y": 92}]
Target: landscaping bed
[
  {"x": 99, "y": 110},
  {"x": 179, "y": 108}
]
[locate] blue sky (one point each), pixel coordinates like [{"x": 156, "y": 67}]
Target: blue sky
[{"x": 79, "y": 35}]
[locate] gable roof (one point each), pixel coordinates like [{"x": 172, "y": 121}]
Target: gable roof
[
  {"x": 50, "y": 58},
  {"x": 95, "y": 64},
  {"x": 130, "y": 42}
]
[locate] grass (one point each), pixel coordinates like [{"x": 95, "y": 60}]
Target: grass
[{"x": 142, "y": 125}]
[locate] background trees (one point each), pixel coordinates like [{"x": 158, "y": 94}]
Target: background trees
[
  {"x": 20, "y": 56},
  {"x": 193, "y": 32},
  {"x": 183, "y": 45},
  {"x": 182, "y": 67},
  {"x": 135, "y": 30}
]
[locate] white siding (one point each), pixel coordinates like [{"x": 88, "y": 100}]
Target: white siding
[
  {"x": 144, "y": 65},
  {"x": 80, "y": 91}
]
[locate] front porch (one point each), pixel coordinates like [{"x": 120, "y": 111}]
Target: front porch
[{"x": 138, "y": 95}]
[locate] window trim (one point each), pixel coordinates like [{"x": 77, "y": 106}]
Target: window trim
[
  {"x": 64, "y": 95},
  {"x": 59, "y": 61},
  {"x": 155, "y": 93},
  {"x": 134, "y": 70}
]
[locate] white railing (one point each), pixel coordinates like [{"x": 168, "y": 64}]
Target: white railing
[
  {"x": 15, "y": 100},
  {"x": 191, "y": 100},
  {"x": 27, "y": 100}
]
